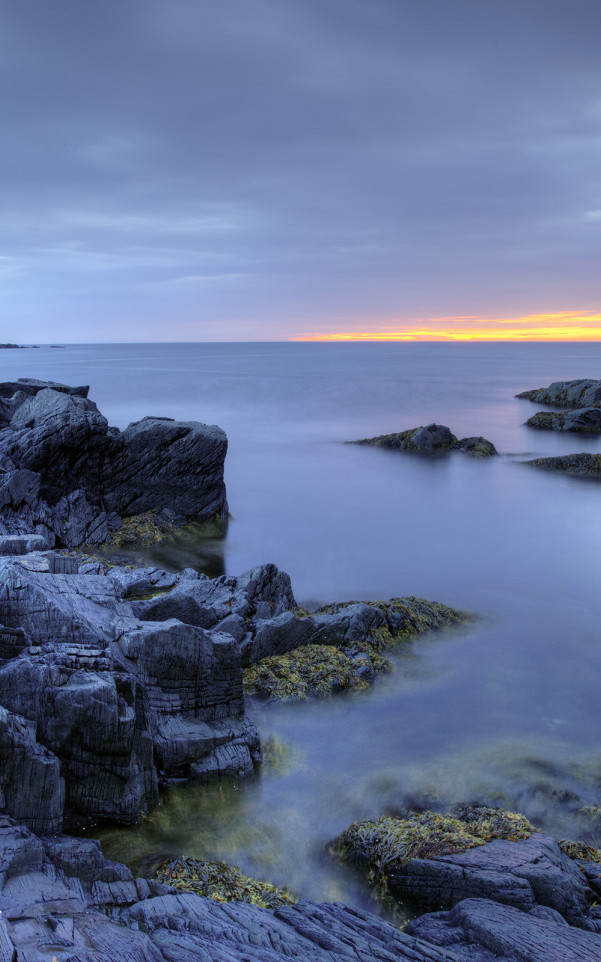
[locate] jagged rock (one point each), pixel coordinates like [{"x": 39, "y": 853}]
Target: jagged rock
[
  {"x": 581, "y": 393},
  {"x": 116, "y": 700},
  {"x": 60, "y": 896},
  {"x": 67, "y": 476},
  {"x": 30, "y": 778},
  {"x": 580, "y": 465},
  {"x": 584, "y": 420},
  {"x": 262, "y": 593},
  {"x": 431, "y": 439},
  {"x": 168, "y": 464}
]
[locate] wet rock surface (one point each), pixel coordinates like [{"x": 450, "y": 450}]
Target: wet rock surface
[
  {"x": 431, "y": 439},
  {"x": 581, "y": 393},
  {"x": 60, "y": 899},
  {"x": 582, "y": 465},
  {"x": 583, "y": 420},
  {"x": 68, "y": 477}
]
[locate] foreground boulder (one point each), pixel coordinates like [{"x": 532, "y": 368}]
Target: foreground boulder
[
  {"x": 436, "y": 861},
  {"x": 69, "y": 477},
  {"x": 431, "y": 439},
  {"x": 582, "y": 465},
  {"x": 581, "y": 393},
  {"x": 583, "y": 420}
]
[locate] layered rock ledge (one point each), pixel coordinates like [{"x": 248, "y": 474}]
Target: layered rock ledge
[
  {"x": 581, "y": 393},
  {"x": 431, "y": 439},
  {"x": 69, "y": 477},
  {"x": 60, "y": 899}
]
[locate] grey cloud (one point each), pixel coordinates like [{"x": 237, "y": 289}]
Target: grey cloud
[{"x": 312, "y": 158}]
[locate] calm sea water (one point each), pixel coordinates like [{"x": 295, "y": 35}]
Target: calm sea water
[{"x": 504, "y": 711}]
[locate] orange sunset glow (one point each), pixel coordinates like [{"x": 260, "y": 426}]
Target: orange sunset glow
[{"x": 562, "y": 326}]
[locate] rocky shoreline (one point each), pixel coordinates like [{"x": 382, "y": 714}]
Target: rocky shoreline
[{"x": 116, "y": 679}]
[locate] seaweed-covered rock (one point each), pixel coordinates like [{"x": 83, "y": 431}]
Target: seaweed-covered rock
[
  {"x": 583, "y": 420},
  {"x": 431, "y": 439},
  {"x": 582, "y": 465},
  {"x": 67, "y": 476},
  {"x": 339, "y": 648},
  {"x": 438, "y": 860},
  {"x": 60, "y": 897},
  {"x": 581, "y": 393},
  {"x": 219, "y": 881}
]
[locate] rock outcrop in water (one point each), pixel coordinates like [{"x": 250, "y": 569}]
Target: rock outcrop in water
[
  {"x": 113, "y": 679},
  {"x": 68, "y": 476},
  {"x": 582, "y": 420},
  {"x": 581, "y": 393},
  {"x": 431, "y": 439},
  {"x": 582, "y": 465}
]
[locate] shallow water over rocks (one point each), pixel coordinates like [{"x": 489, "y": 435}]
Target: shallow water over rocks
[{"x": 504, "y": 710}]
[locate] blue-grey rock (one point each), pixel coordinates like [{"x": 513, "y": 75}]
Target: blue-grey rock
[{"x": 581, "y": 393}]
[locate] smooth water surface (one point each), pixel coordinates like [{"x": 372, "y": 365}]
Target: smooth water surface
[{"x": 505, "y": 710}]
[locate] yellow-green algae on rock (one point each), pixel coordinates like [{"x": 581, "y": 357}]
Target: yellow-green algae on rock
[
  {"x": 393, "y": 840},
  {"x": 220, "y": 881},
  {"x": 313, "y": 671},
  {"x": 319, "y": 670}
]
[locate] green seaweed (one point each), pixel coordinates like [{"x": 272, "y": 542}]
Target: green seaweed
[
  {"x": 313, "y": 671},
  {"x": 221, "y": 882},
  {"x": 394, "y": 840}
]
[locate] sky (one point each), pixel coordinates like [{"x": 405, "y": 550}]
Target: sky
[{"x": 238, "y": 170}]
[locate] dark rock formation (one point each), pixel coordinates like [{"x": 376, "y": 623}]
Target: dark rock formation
[
  {"x": 579, "y": 465},
  {"x": 130, "y": 675},
  {"x": 431, "y": 439},
  {"x": 67, "y": 476},
  {"x": 59, "y": 898},
  {"x": 582, "y": 393},
  {"x": 584, "y": 420},
  {"x": 116, "y": 701}
]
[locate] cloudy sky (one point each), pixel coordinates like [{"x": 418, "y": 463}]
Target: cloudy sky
[{"x": 266, "y": 169}]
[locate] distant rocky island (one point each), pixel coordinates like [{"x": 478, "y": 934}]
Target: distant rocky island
[
  {"x": 118, "y": 679},
  {"x": 18, "y": 347},
  {"x": 431, "y": 439}
]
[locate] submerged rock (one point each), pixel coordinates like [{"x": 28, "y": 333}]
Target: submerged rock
[
  {"x": 69, "y": 477},
  {"x": 582, "y": 465},
  {"x": 584, "y": 420},
  {"x": 581, "y": 393},
  {"x": 431, "y": 439}
]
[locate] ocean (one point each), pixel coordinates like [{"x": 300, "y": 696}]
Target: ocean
[{"x": 504, "y": 710}]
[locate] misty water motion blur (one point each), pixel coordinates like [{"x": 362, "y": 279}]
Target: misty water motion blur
[{"x": 503, "y": 711}]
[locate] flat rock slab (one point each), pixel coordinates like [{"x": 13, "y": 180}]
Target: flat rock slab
[
  {"x": 20, "y": 544},
  {"x": 533, "y": 871},
  {"x": 478, "y": 930}
]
